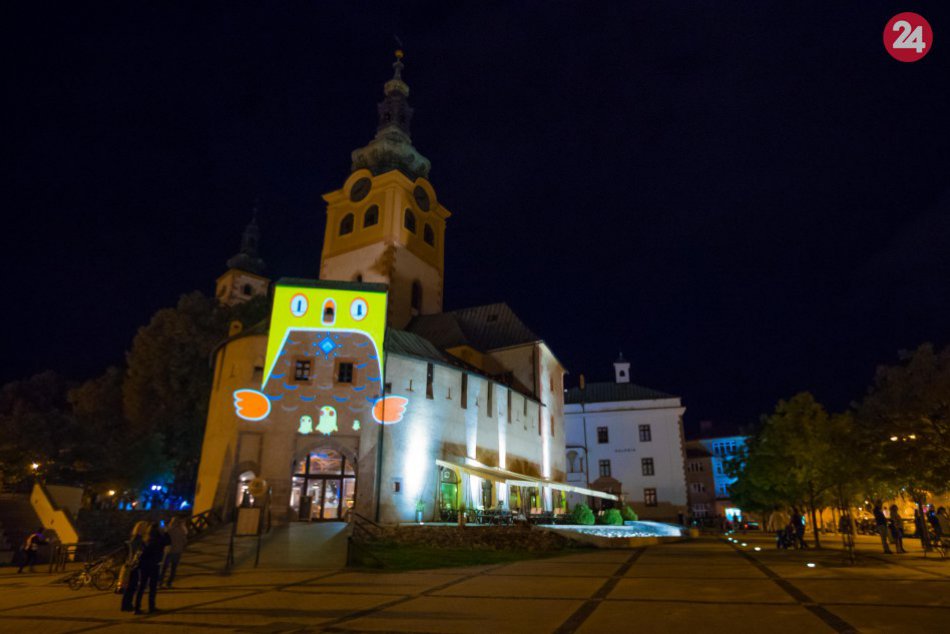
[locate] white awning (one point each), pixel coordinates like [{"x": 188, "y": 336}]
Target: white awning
[{"x": 503, "y": 476}]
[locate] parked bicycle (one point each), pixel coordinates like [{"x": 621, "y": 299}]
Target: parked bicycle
[{"x": 101, "y": 574}]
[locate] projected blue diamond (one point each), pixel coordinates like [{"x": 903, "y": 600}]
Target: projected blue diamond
[{"x": 327, "y": 345}]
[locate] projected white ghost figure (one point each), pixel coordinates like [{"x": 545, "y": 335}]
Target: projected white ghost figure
[
  {"x": 327, "y": 423},
  {"x": 306, "y": 424},
  {"x": 356, "y": 425}
]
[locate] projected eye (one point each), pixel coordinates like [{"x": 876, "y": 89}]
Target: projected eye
[
  {"x": 358, "y": 309},
  {"x": 298, "y": 305}
]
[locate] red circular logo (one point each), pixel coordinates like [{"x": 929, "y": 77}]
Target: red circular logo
[{"x": 908, "y": 37}]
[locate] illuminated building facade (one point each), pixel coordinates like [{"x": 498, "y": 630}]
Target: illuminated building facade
[
  {"x": 479, "y": 395},
  {"x": 722, "y": 449},
  {"x": 626, "y": 439}
]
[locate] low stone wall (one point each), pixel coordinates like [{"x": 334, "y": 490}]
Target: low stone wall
[{"x": 522, "y": 538}]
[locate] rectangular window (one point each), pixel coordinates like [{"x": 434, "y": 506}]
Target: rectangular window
[
  {"x": 603, "y": 437},
  {"x": 302, "y": 370},
  {"x": 649, "y": 497},
  {"x": 552, "y": 425},
  {"x": 491, "y": 399},
  {"x": 429, "y": 373},
  {"x": 344, "y": 372},
  {"x": 539, "y": 424},
  {"x": 646, "y": 465},
  {"x": 645, "y": 435},
  {"x": 604, "y": 468},
  {"x": 509, "y": 405},
  {"x": 463, "y": 397}
]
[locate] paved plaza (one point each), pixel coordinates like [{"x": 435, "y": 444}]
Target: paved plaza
[{"x": 704, "y": 585}]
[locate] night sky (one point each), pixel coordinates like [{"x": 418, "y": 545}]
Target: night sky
[{"x": 749, "y": 199}]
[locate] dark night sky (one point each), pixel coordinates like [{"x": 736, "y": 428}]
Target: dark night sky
[{"x": 750, "y": 199}]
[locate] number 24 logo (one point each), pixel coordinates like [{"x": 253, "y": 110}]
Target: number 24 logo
[{"x": 910, "y": 37}]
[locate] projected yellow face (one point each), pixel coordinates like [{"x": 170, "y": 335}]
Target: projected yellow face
[{"x": 325, "y": 359}]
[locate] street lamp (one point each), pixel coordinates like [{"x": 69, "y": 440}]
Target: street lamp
[{"x": 35, "y": 466}]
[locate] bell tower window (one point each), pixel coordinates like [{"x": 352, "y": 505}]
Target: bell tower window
[
  {"x": 346, "y": 225},
  {"x": 409, "y": 221},
  {"x": 428, "y": 234},
  {"x": 371, "y": 217}
]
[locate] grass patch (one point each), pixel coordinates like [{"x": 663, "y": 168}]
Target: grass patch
[{"x": 390, "y": 556}]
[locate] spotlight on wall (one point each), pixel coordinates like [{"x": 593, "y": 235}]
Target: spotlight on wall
[{"x": 810, "y": 564}]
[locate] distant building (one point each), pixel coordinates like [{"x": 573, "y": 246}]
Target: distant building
[
  {"x": 721, "y": 450},
  {"x": 627, "y": 439},
  {"x": 700, "y": 482}
]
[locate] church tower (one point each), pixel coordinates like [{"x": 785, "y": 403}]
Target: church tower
[
  {"x": 621, "y": 370},
  {"x": 386, "y": 224},
  {"x": 244, "y": 278}
]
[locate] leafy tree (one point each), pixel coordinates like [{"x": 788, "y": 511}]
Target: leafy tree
[
  {"x": 168, "y": 382},
  {"x": 793, "y": 460},
  {"x": 611, "y": 517},
  {"x": 905, "y": 419}
]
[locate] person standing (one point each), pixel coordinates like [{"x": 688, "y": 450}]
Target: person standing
[
  {"x": 130, "y": 575},
  {"x": 150, "y": 560},
  {"x": 178, "y": 539},
  {"x": 880, "y": 524},
  {"x": 897, "y": 529},
  {"x": 30, "y": 548},
  {"x": 798, "y": 522}
]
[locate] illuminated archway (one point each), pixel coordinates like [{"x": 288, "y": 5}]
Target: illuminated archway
[{"x": 323, "y": 482}]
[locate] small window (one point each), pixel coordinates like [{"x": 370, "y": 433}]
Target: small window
[
  {"x": 524, "y": 406},
  {"x": 409, "y": 221},
  {"x": 344, "y": 372},
  {"x": 552, "y": 425},
  {"x": 428, "y": 234},
  {"x": 645, "y": 433},
  {"x": 371, "y": 216},
  {"x": 346, "y": 225},
  {"x": 604, "y": 468},
  {"x": 646, "y": 465},
  {"x": 603, "y": 436},
  {"x": 491, "y": 399},
  {"x": 429, "y": 374},
  {"x": 463, "y": 398},
  {"x": 358, "y": 278},
  {"x": 509, "y": 405},
  {"x": 302, "y": 370},
  {"x": 416, "y": 298},
  {"x": 649, "y": 497},
  {"x": 247, "y": 289}
]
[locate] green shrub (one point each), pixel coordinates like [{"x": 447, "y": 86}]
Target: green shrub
[
  {"x": 611, "y": 517},
  {"x": 583, "y": 515},
  {"x": 628, "y": 514}
]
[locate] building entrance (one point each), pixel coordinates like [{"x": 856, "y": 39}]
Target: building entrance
[{"x": 324, "y": 486}]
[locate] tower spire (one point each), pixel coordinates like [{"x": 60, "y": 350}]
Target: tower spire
[
  {"x": 248, "y": 258},
  {"x": 392, "y": 148}
]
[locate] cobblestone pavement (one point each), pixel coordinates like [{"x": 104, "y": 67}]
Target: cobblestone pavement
[{"x": 705, "y": 585}]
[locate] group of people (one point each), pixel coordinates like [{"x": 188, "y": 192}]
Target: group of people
[
  {"x": 789, "y": 529},
  {"x": 149, "y": 565},
  {"x": 893, "y": 525}
]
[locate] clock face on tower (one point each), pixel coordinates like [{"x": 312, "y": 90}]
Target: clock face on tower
[
  {"x": 360, "y": 190},
  {"x": 422, "y": 197}
]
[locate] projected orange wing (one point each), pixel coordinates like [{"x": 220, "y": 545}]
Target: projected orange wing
[{"x": 390, "y": 410}]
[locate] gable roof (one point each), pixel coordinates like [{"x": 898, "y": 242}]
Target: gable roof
[
  {"x": 484, "y": 328},
  {"x": 609, "y": 392}
]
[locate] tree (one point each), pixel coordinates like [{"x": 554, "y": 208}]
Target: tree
[
  {"x": 905, "y": 418},
  {"x": 168, "y": 381},
  {"x": 795, "y": 459}
]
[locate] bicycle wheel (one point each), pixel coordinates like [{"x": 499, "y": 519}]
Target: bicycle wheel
[
  {"x": 77, "y": 581},
  {"x": 104, "y": 579}
]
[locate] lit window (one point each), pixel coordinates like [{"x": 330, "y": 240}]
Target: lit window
[
  {"x": 344, "y": 372},
  {"x": 409, "y": 221},
  {"x": 603, "y": 437},
  {"x": 649, "y": 497},
  {"x": 302, "y": 370},
  {"x": 604, "y": 468},
  {"x": 371, "y": 216},
  {"x": 346, "y": 225},
  {"x": 645, "y": 435},
  {"x": 646, "y": 466},
  {"x": 428, "y": 234}
]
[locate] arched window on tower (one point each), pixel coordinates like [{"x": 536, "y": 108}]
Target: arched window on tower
[
  {"x": 409, "y": 222},
  {"x": 428, "y": 234},
  {"x": 248, "y": 290},
  {"x": 346, "y": 225},
  {"x": 371, "y": 217},
  {"x": 358, "y": 278},
  {"x": 416, "y": 300}
]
